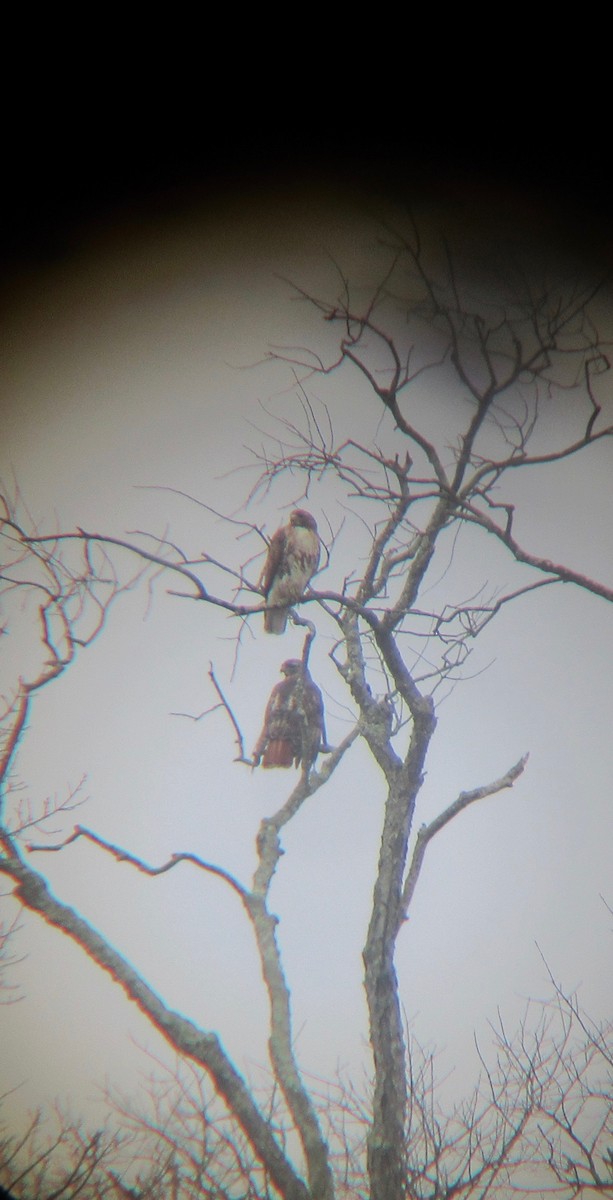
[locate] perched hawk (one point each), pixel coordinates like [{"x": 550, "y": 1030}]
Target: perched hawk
[
  {"x": 294, "y": 729},
  {"x": 293, "y": 557}
]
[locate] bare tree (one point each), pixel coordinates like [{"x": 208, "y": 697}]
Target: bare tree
[
  {"x": 538, "y": 1121},
  {"x": 573, "y": 1124},
  {"x": 55, "y": 1157},
  {"x": 399, "y": 642}
]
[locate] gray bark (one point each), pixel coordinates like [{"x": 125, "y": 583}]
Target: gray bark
[{"x": 203, "y": 1047}]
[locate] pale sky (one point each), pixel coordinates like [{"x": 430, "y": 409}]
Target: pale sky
[{"x": 131, "y": 365}]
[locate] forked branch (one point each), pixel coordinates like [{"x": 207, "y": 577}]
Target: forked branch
[{"x": 427, "y": 832}]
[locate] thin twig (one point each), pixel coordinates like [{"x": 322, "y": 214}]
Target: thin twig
[
  {"x": 224, "y": 703},
  {"x": 121, "y": 855}
]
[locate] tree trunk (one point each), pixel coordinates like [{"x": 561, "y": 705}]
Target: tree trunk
[{"x": 386, "y": 1141}]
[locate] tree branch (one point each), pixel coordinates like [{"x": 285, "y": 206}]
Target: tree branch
[
  {"x": 121, "y": 855},
  {"x": 190, "y": 1041},
  {"x": 561, "y": 572},
  {"x": 427, "y": 832}
]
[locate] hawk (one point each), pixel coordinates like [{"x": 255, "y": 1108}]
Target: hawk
[
  {"x": 292, "y": 559},
  {"x": 294, "y": 729}
]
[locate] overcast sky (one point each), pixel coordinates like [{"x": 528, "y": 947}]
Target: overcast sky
[{"x": 128, "y": 368}]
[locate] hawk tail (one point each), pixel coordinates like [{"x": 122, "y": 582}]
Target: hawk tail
[
  {"x": 279, "y": 753},
  {"x": 275, "y": 620}
]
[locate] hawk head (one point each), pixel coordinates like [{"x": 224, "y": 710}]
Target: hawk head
[
  {"x": 291, "y": 666},
  {"x": 303, "y": 518}
]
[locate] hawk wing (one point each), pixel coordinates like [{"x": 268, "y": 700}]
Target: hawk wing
[
  {"x": 274, "y": 559},
  {"x": 276, "y": 569},
  {"x": 314, "y": 729}
]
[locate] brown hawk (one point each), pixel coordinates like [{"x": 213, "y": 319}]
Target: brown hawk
[
  {"x": 294, "y": 729},
  {"x": 292, "y": 559}
]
